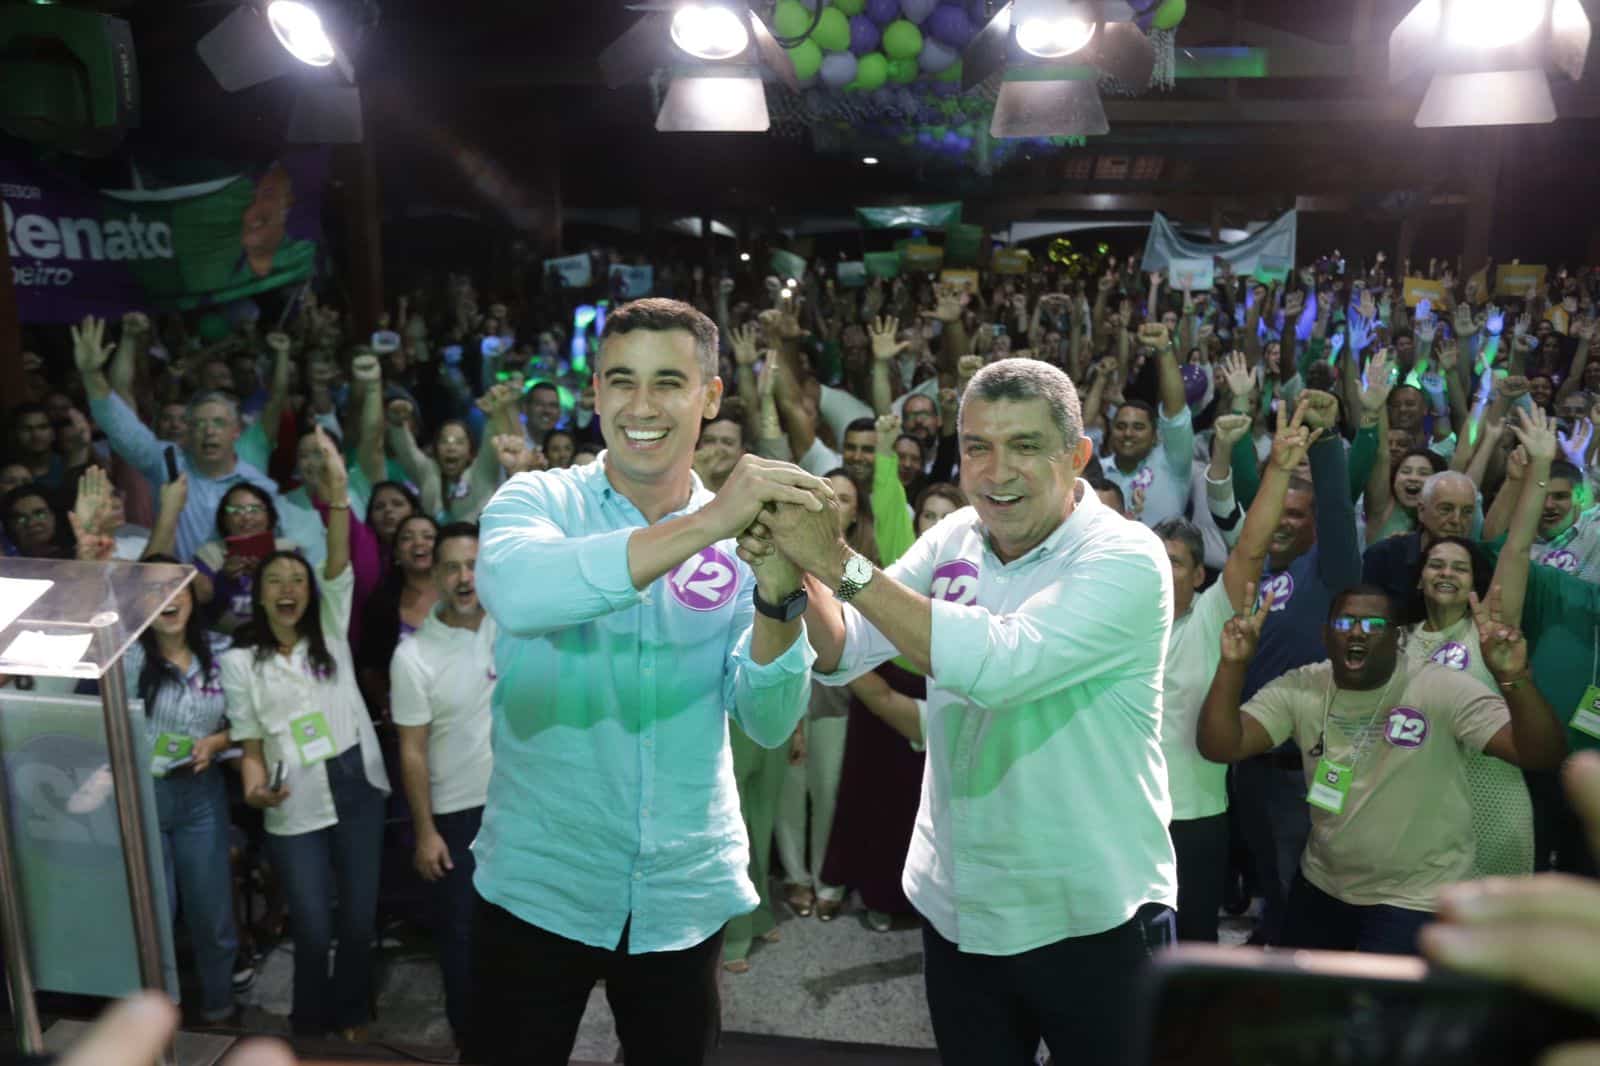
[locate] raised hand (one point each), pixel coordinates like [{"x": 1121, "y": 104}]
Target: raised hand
[
  {"x": 1293, "y": 437},
  {"x": 1424, "y": 310},
  {"x": 1505, "y": 650},
  {"x": 1465, "y": 324},
  {"x": 1513, "y": 387},
  {"x": 1335, "y": 345},
  {"x": 1242, "y": 632},
  {"x": 1154, "y": 335},
  {"x": 398, "y": 412},
  {"x": 884, "y": 333},
  {"x": 1240, "y": 381},
  {"x": 1324, "y": 304},
  {"x": 947, "y": 309},
  {"x": 1361, "y": 328},
  {"x": 1495, "y": 322},
  {"x": 1537, "y": 433},
  {"x": 745, "y": 348},
  {"x": 90, "y": 351},
  {"x": 1449, "y": 356},
  {"x": 1375, "y": 389},
  {"x": 517, "y": 455},
  {"x": 1516, "y": 464},
  {"x": 1321, "y": 409},
  {"x": 365, "y": 369},
  {"x": 968, "y": 367},
  {"x": 1575, "y": 445},
  {"x": 174, "y": 495},
  {"x": 888, "y": 428},
  {"x": 1294, "y": 305},
  {"x": 333, "y": 481},
  {"x": 93, "y": 506},
  {"x": 1230, "y": 429}
]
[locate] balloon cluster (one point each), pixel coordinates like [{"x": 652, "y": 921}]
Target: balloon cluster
[{"x": 863, "y": 45}]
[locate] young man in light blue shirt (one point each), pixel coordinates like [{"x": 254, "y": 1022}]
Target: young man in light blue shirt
[
  {"x": 612, "y": 845},
  {"x": 1040, "y": 861}
]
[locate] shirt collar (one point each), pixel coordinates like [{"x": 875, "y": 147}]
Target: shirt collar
[{"x": 594, "y": 480}]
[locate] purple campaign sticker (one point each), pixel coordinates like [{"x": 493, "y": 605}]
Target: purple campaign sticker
[
  {"x": 956, "y": 581},
  {"x": 1144, "y": 478},
  {"x": 1407, "y": 728},
  {"x": 705, "y": 581},
  {"x": 1454, "y": 655},
  {"x": 1563, "y": 560},
  {"x": 1282, "y": 588}
]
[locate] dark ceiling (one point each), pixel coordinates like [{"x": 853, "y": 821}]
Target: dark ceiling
[{"x": 512, "y": 86}]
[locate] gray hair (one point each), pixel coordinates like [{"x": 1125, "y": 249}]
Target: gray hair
[
  {"x": 659, "y": 315},
  {"x": 200, "y": 399},
  {"x": 1021, "y": 378},
  {"x": 1186, "y": 533},
  {"x": 1437, "y": 481}
]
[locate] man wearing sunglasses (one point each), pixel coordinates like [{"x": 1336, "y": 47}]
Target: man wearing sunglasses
[{"x": 1384, "y": 744}]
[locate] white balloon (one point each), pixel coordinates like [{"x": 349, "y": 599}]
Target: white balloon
[{"x": 937, "y": 57}]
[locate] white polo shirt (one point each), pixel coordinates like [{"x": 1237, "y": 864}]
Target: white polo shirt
[
  {"x": 1199, "y": 786},
  {"x": 443, "y": 678},
  {"x": 1044, "y": 802}
]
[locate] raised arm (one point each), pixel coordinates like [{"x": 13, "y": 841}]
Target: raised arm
[
  {"x": 1289, "y": 446},
  {"x": 1583, "y": 329},
  {"x": 885, "y": 347},
  {"x": 278, "y": 390},
  {"x": 333, "y": 486},
  {"x": 1536, "y": 432},
  {"x": 422, "y": 470},
  {"x": 1338, "y": 550},
  {"x": 1224, "y": 733}
]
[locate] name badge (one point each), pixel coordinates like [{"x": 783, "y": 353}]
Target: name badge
[
  {"x": 1329, "y": 787},
  {"x": 312, "y": 737},
  {"x": 170, "y": 748},
  {"x": 1586, "y": 719}
]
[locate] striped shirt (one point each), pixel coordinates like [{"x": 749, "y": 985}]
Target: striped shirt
[{"x": 193, "y": 708}]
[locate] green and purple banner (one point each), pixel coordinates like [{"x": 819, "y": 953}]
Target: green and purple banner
[{"x": 77, "y": 250}]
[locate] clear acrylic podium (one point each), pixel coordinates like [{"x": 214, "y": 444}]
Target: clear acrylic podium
[{"x": 75, "y": 620}]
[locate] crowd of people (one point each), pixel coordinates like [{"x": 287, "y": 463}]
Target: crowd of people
[{"x": 1060, "y": 613}]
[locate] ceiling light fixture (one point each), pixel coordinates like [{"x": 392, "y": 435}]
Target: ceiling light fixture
[
  {"x": 1054, "y": 38},
  {"x": 298, "y": 28},
  {"x": 870, "y": 160},
  {"x": 709, "y": 31},
  {"x": 744, "y": 257},
  {"x": 261, "y": 40}
]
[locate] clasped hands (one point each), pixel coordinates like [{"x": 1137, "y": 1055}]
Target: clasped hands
[{"x": 787, "y": 522}]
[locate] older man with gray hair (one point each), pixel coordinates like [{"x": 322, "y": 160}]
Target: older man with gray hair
[
  {"x": 1040, "y": 861},
  {"x": 1448, "y": 507}
]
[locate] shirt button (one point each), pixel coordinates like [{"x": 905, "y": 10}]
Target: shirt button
[{"x": 638, "y": 876}]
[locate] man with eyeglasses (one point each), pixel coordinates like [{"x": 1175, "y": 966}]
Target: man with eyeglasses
[
  {"x": 208, "y": 453},
  {"x": 1383, "y": 743}
]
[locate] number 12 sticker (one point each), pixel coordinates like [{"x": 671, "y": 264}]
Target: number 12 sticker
[{"x": 706, "y": 581}]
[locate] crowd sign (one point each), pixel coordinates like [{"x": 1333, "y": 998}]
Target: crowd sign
[{"x": 78, "y": 250}]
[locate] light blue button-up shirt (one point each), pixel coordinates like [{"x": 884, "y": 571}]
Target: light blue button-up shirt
[
  {"x": 133, "y": 440},
  {"x": 612, "y": 795}
]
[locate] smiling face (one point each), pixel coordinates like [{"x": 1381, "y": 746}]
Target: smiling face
[
  {"x": 244, "y": 513},
  {"x": 1133, "y": 435},
  {"x": 1558, "y": 512},
  {"x": 921, "y": 417},
  {"x": 389, "y": 507},
  {"x": 174, "y": 618},
  {"x": 1400, "y": 442},
  {"x": 558, "y": 449},
  {"x": 1446, "y": 580},
  {"x": 1408, "y": 481},
  {"x": 1406, "y": 408},
  {"x": 284, "y": 591},
  {"x": 32, "y": 524},
  {"x": 721, "y": 445},
  {"x": 908, "y": 453},
  {"x": 1017, "y": 471},
  {"x": 454, "y": 573},
  {"x": 1362, "y": 660},
  {"x": 1541, "y": 391},
  {"x": 1448, "y": 506},
  {"x": 859, "y": 448},
  {"x": 413, "y": 544},
  {"x": 543, "y": 404},
  {"x": 651, "y": 398},
  {"x": 1297, "y": 529},
  {"x": 1188, "y": 574}
]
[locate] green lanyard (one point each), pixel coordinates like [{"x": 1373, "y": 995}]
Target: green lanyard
[{"x": 1330, "y": 784}]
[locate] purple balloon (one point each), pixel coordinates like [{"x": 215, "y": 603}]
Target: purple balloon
[
  {"x": 949, "y": 23},
  {"x": 883, "y": 12},
  {"x": 838, "y": 69},
  {"x": 1194, "y": 384},
  {"x": 864, "y": 35},
  {"x": 936, "y": 58},
  {"x": 918, "y": 10}
]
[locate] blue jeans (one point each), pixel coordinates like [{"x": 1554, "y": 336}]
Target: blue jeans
[
  {"x": 193, "y": 813},
  {"x": 452, "y": 900},
  {"x": 337, "y": 864},
  {"x": 1314, "y": 919}
]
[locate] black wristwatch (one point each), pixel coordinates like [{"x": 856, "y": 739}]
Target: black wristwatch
[{"x": 792, "y": 607}]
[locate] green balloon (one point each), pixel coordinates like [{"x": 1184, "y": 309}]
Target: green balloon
[
  {"x": 872, "y": 70},
  {"x": 902, "y": 39},
  {"x": 902, "y": 71},
  {"x": 791, "y": 19},
  {"x": 953, "y": 73},
  {"x": 807, "y": 58},
  {"x": 851, "y": 8},
  {"x": 1170, "y": 13},
  {"x": 833, "y": 30}
]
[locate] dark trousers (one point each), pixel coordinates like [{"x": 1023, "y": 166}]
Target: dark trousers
[
  {"x": 1276, "y": 822},
  {"x": 1077, "y": 994},
  {"x": 451, "y": 902},
  {"x": 317, "y": 869},
  {"x": 1315, "y": 919},
  {"x": 531, "y": 987},
  {"x": 1202, "y": 846}
]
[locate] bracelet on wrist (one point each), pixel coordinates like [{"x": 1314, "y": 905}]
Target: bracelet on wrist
[
  {"x": 345, "y": 506},
  {"x": 1511, "y": 683}
]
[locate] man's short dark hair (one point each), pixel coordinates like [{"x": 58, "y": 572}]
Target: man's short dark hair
[
  {"x": 452, "y": 530},
  {"x": 933, "y": 403},
  {"x": 1375, "y": 591},
  {"x": 1021, "y": 378},
  {"x": 1560, "y": 468},
  {"x": 1137, "y": 405},
  {"x": 861, "y": 425},
  {"x": 1186, "y": 533},
  {"x": 724, "y": 416},
  {"x": 659, "y": 315},
  {"x": 1101, "y": 483},
  {"x": 537, "y": 385}
]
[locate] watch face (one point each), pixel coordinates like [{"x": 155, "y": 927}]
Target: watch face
[{"x": 858, "y": 569}]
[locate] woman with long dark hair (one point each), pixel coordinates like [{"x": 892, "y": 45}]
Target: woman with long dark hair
[
  {"x": 312, "y": 763},
  {"x": 398, "y": 605}
]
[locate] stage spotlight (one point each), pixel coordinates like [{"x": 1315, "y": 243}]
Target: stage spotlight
[
  {"x": 1489, "y": 60},
  {"x": 709, "y": 31},
  {"x": 744, "y": 257},
  {"x": 716, "y": 54},
  {"x": 869, "y": 160},
  {"x": 1053, "y": 54},
  {"x": 298, "y": 28}
]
